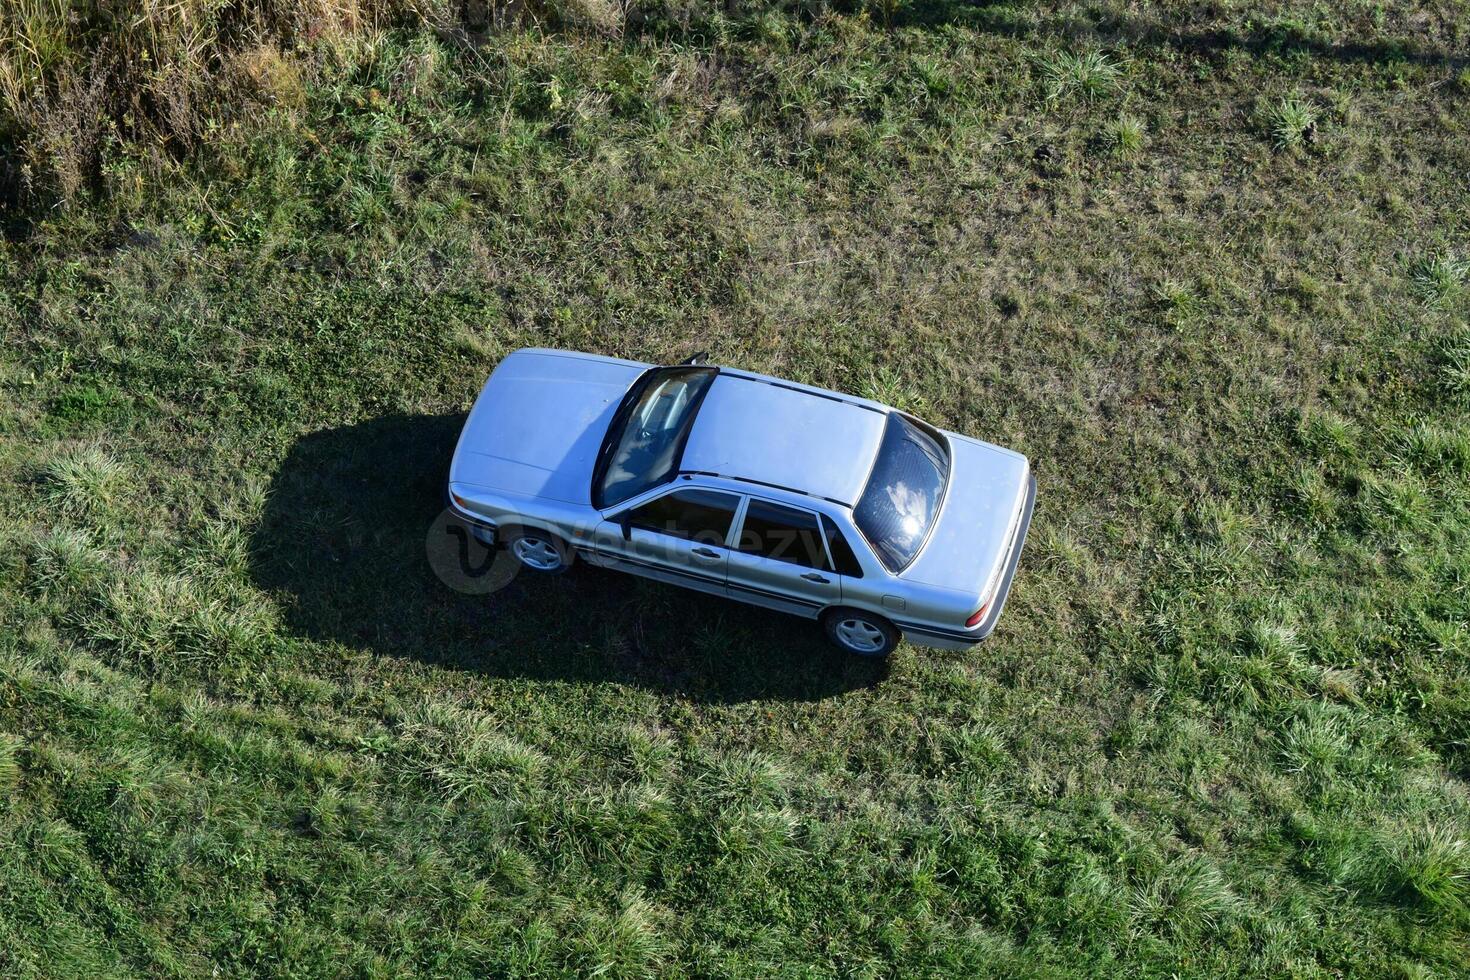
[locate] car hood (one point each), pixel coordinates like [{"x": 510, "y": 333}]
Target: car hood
[
  {"x": 977, "y": 521},
  {"x": 538, "y": 423}
]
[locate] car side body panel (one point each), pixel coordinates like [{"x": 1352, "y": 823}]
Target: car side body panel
[
  {"x": 665, "y": 558},
  {"x": 800, "y": 589}
]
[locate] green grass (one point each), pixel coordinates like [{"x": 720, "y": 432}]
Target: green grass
[
  {"x": 1221, "y": 730},
  {"x": 1125, "y": 136},
  {"x": 1293, "y": 122},
  {"x": 1441, "y": 279},
  {"x": 1090, "y": 74}
]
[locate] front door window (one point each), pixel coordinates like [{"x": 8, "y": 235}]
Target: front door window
[{"x": 699, "y": 515}]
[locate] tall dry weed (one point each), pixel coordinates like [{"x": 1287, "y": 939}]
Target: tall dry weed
[{"x": 83, "y": 81}]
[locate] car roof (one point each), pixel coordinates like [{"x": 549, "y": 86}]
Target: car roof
[{"x": 784, "y": 435}]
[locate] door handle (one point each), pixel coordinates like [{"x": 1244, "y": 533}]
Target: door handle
[
  {"x": 814, "y": 577},
  {"x": 706, "y": 552}
]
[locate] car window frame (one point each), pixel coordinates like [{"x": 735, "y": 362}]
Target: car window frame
[
  {"x": 839, "y": 516},
  {"x": 738, "y": 528},
  {"x": 622, "y": 511},
  {"x": 619, "y": 421},
  {"x": 825, "y": 519}
]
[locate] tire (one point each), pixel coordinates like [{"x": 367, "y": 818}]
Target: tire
[
  {"x": 860, "y": 633},
  {"x": 537, "y": 550}
]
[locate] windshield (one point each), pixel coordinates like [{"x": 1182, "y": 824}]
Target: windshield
[
  {"x": 903, "y": 494},
  {"x": 646, "y": 450}
]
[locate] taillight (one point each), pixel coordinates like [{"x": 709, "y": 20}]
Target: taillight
[{"x": 979, "y": 615}]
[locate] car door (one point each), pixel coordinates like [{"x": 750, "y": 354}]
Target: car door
[
  {"x": 677, "y": 537},
  {"x": 780, "y": 560}
]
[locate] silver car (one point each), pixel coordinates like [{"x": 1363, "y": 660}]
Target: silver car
[{"x": 827, "y": 506}]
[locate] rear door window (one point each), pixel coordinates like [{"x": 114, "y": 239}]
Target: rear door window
[{"x": 783, "y": 533}]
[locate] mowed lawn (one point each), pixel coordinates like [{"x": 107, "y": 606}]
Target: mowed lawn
[{"x": 1207, "y": 265}]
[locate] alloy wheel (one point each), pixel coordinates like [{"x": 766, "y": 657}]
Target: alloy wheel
[
  {"x": 860, "y": 636},
  {"x": 537, "y": 552}
]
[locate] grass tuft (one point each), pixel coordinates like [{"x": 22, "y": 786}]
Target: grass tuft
[
  {"x": 1309, "y": 499},
  {"x": 490, "y": 751},
  {"x": 1315, "y": 743},
  {"x": 1438, "y": 448},
  {"x": 1178, "y": 301},
  {"x": 755, "y": 836},
  {"x": 10, "y": 747},
  {"x": 650, "y": 752},
  {"x": 1275, "y": 641},
  {"x": 1293, "y": 123},
  {"x": 153, "y": 617},
  {"x": 85, "y": 481},
  {"x": 1440, "y": 279},
  {"x": 1190, "y": 896},
  {"x": 631, "y": 942},
  {"x": 746, "y": 776},
  {"x": 887, "y": 384},
  {"x": 1125, "y": 136},
  {"x": 66, "y": 558},
  {"x": 1090, "y": 74},
  {"x": 1329, "y": 437},
  {"x": 1429, "y": 868},
  {"x": 1454, "y": 374}
]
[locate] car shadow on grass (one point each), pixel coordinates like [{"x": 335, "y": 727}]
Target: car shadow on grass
[{"x": 343, "y": 545}]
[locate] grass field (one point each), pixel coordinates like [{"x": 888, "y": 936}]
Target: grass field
[{"x": 1208, "y": 265}]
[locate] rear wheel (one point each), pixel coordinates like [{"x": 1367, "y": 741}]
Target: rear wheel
[
  {"x": 860, "y": 633},
  {"x": 540, "y": 551}
]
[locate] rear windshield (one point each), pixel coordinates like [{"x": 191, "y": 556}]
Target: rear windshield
[
  {"x": 654, "y": 427},
  {"x": 903, "y": 494}
]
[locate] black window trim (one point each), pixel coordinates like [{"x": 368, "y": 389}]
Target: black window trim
[
  {"x": 764, "y": 483},
  {"x": 826, "y": 519},
  {"x": 666, "y": 489},
  {"x": 738, "y": 528},
  {"x": 620, "y": 418}
]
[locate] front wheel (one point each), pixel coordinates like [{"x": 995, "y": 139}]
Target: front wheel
[
  {"x": 538, "y": 550},
  {"x": 862, "y": 634}
]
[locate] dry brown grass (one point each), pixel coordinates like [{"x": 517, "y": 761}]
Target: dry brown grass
[
  {"x": 90, "y": 87},
  {"x": 83, "y": 83}
]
